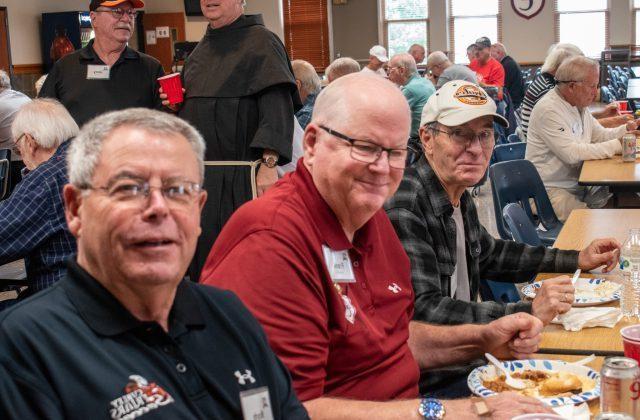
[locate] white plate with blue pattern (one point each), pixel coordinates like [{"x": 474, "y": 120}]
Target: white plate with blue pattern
[
  {"x": 589, "y": 292},
  {"x": 475, "y": 378}
]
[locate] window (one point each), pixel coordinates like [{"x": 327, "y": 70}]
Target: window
[
  {"x": 584, "y": 23},
  {"x": 406, "y": 23},
  {"x": 636, "y": 12},
  {"x": 306, "y": 31},
  {"x": 469, "y": 20}
]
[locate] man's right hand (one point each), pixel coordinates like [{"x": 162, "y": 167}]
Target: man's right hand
[
  {"x": 507, "y": 405},
  {"x": 554, "y": 297},
  {"x": 165, "y": 101}
]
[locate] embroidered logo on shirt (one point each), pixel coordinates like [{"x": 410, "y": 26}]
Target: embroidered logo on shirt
[
  {"x": 394, "y": 288},
  {"x": 470, "y": 95},
  {"x": 244, "y": 377},
  {"x": 140, "y": 398}
]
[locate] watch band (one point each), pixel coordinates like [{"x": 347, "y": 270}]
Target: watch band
[{"x": 431, "y": 409}]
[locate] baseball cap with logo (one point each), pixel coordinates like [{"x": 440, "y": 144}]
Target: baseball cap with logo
[
  {"x": 483, "y": 42},
  {"x": 136, "y": 4},
  {"x": 458, "y": 102},
  {"x": 379, "y": 52}
]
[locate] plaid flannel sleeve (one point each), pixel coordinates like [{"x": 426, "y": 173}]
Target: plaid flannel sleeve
[
  {"x": 510, "y": 261},
  {"x": 433, "y": 305}
]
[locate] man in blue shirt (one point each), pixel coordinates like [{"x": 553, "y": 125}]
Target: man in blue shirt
[
  {"x": 32, "y": 221},
  {"x": 309, "y": 86}
]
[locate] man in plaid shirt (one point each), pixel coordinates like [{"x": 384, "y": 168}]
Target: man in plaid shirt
[
  {"x": 437, "y": 222},
  {"x": 32, "y": 221}
]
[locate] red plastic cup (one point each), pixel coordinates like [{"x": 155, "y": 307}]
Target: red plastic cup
[
  {"x": 171, "y": 84},
  {"x": 622, "y": 105},
  {"x": 631, "y": 341}
]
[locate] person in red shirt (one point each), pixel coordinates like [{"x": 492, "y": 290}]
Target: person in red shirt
[
  {"x": 318, "y": 263},
  {"x": 489, "y": 70}
]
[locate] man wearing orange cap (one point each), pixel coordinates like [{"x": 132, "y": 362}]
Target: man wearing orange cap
[{"x": 106, "y": 75}]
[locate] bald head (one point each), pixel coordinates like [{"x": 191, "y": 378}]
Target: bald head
[
  {"x": 417, "y": 52},
  {"x": 360, "y": 96},
  {"x": 341, "y": 67}
]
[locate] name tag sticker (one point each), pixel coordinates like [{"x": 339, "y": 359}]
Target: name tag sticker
[
  {"x": 256, "y": 404},
  {"x": 97, "y": 72},
  {"x": 339, "y": 265}
]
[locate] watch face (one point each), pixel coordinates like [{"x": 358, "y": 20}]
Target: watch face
[{"x": 270, "y": 162}]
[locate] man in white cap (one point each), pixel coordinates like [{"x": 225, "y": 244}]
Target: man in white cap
[
  {"x": 450, "y": 251},
  {"x": 377, "y": 59}
]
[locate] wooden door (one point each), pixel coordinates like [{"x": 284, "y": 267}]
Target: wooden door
[
  {"x": 163, "y": 47},
  {"x": 5, "y": 49}
]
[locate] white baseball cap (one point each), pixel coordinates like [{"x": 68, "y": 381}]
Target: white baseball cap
[
  {"x": 458, "y": 102},
  {"x": 379, "y": 52}
]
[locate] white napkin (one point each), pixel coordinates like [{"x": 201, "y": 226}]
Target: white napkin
[
  {"x": 579, "y": 318},
  {"x": 573, "y": 412}
]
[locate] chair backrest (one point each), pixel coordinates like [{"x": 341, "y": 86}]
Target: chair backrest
[
  {"x": 522, "y": 230},
  {"x": 513, "y": 138},
  {"x": 516, "y": 181},
  {"x": 5, "y": 172},
  {"x": 509, "y": 151}
]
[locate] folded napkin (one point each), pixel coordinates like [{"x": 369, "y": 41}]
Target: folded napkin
[
  {"x": 573, "y": 412},
  {"x": 579, "y": 318}
]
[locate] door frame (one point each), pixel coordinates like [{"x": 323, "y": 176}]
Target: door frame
[{"x": 6, "y": 26}]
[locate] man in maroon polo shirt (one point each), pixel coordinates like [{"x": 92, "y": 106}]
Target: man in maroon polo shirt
[{"x": 319, "y": 264}]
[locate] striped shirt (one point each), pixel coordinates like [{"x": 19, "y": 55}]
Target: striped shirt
[{"x": 542, "y": 84}]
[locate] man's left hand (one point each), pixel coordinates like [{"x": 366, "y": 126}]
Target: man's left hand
[
  {"x": 513, "y": 336},
  {"x": 265, "y": 178},
  {"x": 600, "y": 252}
]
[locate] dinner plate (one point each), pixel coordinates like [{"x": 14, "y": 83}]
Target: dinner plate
[
  {"x": 582, "y": 283},
  {"x": 474, "y": 380}
]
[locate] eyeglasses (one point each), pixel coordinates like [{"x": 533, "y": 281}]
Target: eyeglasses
[
  {"x": 464, "y": 138},
  {"x": 368, "y": 152},
  {"x": 119, "y": 13},
  {"x": 177, "y": 193}
]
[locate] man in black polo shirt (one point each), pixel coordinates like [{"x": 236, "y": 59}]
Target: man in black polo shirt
[
  {"x": 123, "y": 334},
  {"x": 106, "y": 75}
]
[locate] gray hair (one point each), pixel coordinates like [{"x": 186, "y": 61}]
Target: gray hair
[
  {"x": 86, "y": 148},
  {"x": 341, "y": 67},
  {"x": 406, "y": 61},
  {"x": 46, "y": 120},
  {"x": 557, "y": 54},
  {"x": 500, "y": 47},
  {"x": 575, "y": 68},
  {"x": 39, "y": 83},
  {"x": 5, "y": 81},
  {"x": 437, "y": 57},
  {"x": 306, "y": 74}
]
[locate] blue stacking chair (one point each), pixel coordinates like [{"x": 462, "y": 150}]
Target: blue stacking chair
[
  {"x": 513, "y": 138},
  {"x": 522, "y": 230},
  {"x": 517, "y": 181},
  {"x": 509, "y": 151}
]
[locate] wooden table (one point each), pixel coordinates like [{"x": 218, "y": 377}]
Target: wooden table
[{"x": 613, "y": 172}]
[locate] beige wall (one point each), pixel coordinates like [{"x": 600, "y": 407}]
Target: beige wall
[
  {"x": 355, "y": 25},
  {"x": 355, "y": 28}
]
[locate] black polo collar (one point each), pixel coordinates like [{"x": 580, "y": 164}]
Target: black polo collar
[
  {"x": 89, "y": 54},
  {"x": 107, "y": 316}
]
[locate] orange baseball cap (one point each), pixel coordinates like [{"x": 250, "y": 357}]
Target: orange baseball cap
[{"x": 137, "y": 4}]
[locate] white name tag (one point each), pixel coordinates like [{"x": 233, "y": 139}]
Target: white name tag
[
  {"x": 256, "y": 404},
  {"x": 97, "y": 72},
  {"x": 339, "y": 265}
]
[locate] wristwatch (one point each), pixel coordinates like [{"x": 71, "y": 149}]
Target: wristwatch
[
  {"x": 270, "y": 161},
  {"x": 431, "y": 409}
]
